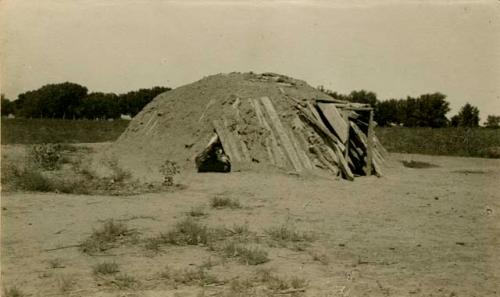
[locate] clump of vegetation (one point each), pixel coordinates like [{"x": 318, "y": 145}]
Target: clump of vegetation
[
  {"x": 125, "y": 281},
  {"x": 189, "y": 276},
  {"x": 186, "y": 232},
  {"x": 242, "y": 288},
  {"x": 26, "y": 179},
  {"x": 272, "y": 282},
  {"x": 240, "y": 230},
  {"x": 46, "y": 156},
  {"x": 278, "y": 283},
  {"x": 13, "y": 292},
  {"x": 246, "y": 255},
  {"x": 418, "y": 164},
  {"x": 197, "y": 212},
  {"x": 284, "y": 234},
  {"x": 106, "y": 268},
  {"x": 104, "y": 238},
  {"x": 224, "y": 202}
]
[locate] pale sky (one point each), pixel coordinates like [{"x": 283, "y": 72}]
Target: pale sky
[{"x": 394, "y": 48}]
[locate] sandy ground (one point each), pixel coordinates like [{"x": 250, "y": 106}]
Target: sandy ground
[{"x": 413, "y": 232}]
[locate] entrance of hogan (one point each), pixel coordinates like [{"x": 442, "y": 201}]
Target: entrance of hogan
[{"x": 213, "y": 158}]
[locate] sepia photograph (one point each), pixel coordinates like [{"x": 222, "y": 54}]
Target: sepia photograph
[{"x": 260, "y": 148}]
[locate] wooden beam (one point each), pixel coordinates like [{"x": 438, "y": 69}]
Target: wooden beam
[
  {"x": 300, "y": 149},
  {"x": 280, "y": 130},
  {"x": 227, "y": 143},
  {"x": 324, "y": 161},
  {"x": 335, "y": 119},
  {"x": 369, "y": 145},
  {"x": 331, "y": 100},
  {"x": 275, "y": 151},
  {"x": 320, "y": 127}
]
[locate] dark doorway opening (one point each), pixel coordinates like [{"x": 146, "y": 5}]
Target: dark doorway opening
[{"x": 213, "y": 158}]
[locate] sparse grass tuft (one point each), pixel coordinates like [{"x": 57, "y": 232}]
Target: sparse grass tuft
[
  {"x": 13, "y": 292},
  {"x": 241, "y": 230},
  {"x": 224, "y": 202},
  {"x": 187, "y": 232},
  {"x": 125, "y": 281},
  {"x": 284, "y": 234},
  {"x": 189, "y": 276},
  {"x": 196, "y": 212},
  {"x": 242, "y": 288},
  {"x": 276, "y": 283},
  {"x": 106, "y": 268},
  {"x": 246, "y": 255},
  {"x": 103, "y": 239}
]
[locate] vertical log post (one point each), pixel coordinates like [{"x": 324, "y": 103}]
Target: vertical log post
[{"x": 369, "y": 145}]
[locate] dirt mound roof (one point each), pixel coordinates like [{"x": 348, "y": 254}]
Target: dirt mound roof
[{"x": 177, "y": 125}]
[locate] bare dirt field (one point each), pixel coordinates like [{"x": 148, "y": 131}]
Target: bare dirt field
[{"x": 414, "y": 232}]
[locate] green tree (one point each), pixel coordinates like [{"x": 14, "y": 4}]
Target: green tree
[
  {"x": 133, "y": 102},
  {"x": 7, "y": 106},
  {"x": 363, "y": 96},
  {"x": 467, "y": 117},
  {"x": 99, "y": 106},
  {"x": 52, "y": 101},
  {"x": 432, "y": 110},
  {"x": 492, "y": 121}
]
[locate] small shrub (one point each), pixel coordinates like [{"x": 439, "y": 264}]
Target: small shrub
[
  {"x": 246, "y": 255},
  {"x": 106, "y": 268},
  {"x": 33, "y": 180},
  {"x": 46, "y": 156},
  {"x": 13, "y": 292},
  {"x": 104, "y": 238},
  {"x": 125, "y": 281},
  {"x": 224, "y": 202}
]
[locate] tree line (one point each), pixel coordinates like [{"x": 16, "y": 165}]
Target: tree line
[
  {"x": 426, "y": 110},
  {"x": 73, "y": 101}
]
